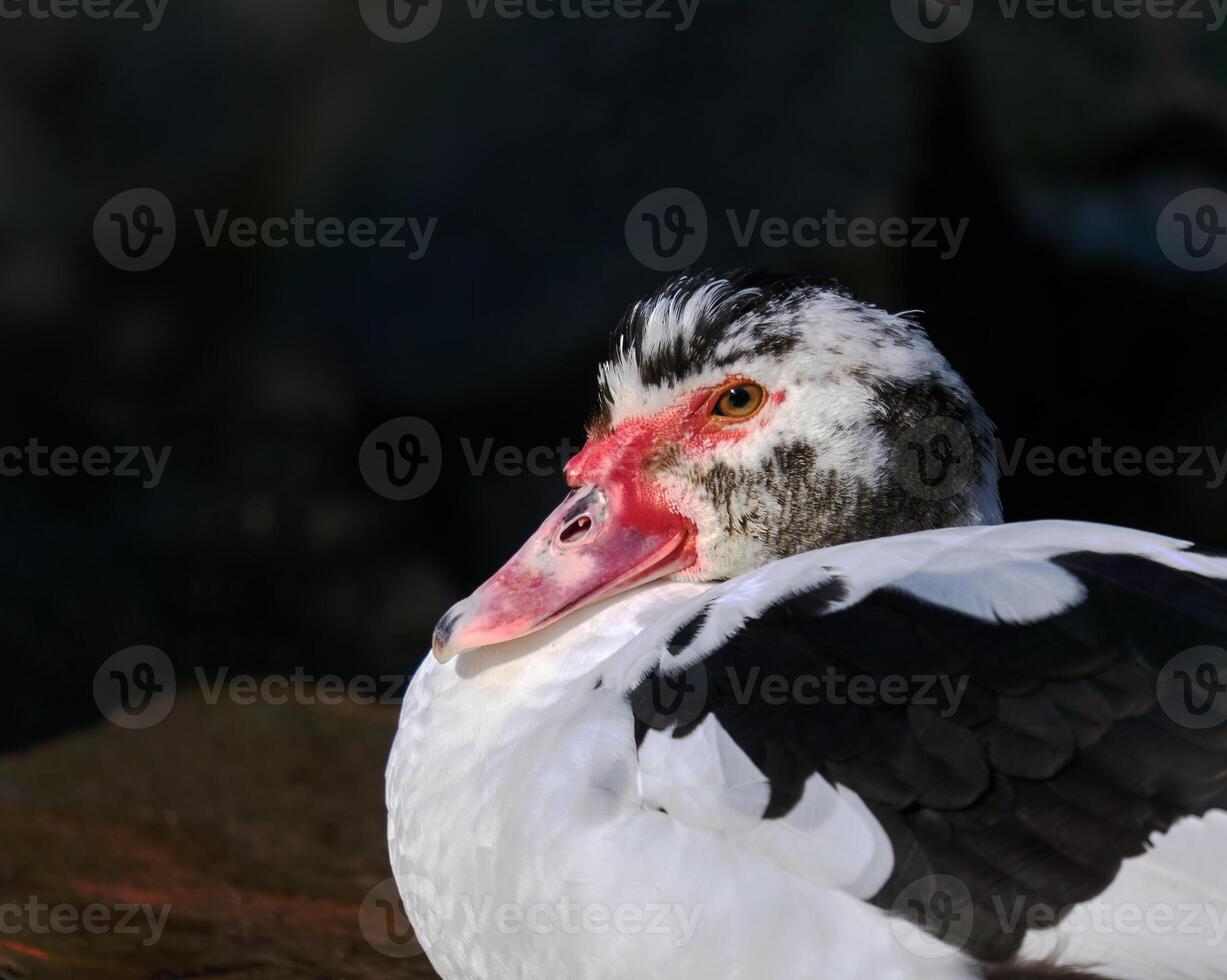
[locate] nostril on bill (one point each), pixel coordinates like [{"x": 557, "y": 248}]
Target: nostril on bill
[{"x": 576, "y": 530}]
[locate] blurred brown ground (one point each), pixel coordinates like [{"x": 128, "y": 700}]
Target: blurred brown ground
[{"x": 261, "y": 827}]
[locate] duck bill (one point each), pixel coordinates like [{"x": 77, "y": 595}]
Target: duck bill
[{"x": 592, "y": 546}]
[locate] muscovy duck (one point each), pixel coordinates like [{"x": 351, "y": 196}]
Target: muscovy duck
[{"x": 774, "y": 693}]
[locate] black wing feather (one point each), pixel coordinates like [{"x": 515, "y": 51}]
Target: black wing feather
[{"x": 1053, "y": 764}]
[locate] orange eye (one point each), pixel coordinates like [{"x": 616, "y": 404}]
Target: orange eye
[{"x": 738, "y": 402}]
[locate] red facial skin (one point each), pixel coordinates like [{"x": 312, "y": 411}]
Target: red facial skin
[{"x": 632, "y": 534}]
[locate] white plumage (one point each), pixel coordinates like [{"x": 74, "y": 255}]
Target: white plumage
[
  {"x": 630, "y": 759},
  {"x": 515, "y": 783}
]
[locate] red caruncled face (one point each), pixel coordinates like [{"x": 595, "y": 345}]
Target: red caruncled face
[{"x": 615, "y": 530}]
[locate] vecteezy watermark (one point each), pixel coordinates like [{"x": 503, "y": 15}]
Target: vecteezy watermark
[
  {"x": 123, "y": 462},
  {"x": 677, "y": 698},
  {"x": 136, "y": 231},
  {"x": 135, "y": 688},
  {"x": 1192, "y": 687},
  {"x": 402, "y": 931},
  {"x": 1192, "y": 229},
  {"x": 941, "y": 906},
  {"x": 403, "y": 21},
  {"x": 1206, "y": 921},
  {"x": 935, "y": 459},
  {"x": 668, "y": 230},
  {"x": 940, "y": 691},
  {"x": 837, "y": 231},
  {"x": 934, "y": 21},
  {"x": 300, "y": 687},
  {"x": 568, "y": 917},
  {"x": 384, "y": 923},
  {"x": 401, "y": 459},
  {"x": 679, "y": 14},
  {"x": 1212, "y": 12},
  {"x": 148, "y": 13},
  {"x": 1100, "y": 459},
  {"x": 36, "y": 917}
]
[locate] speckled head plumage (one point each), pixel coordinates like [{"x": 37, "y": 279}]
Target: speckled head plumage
[
  {"x": 826, "y": 468},
  {"x": 829, "y": 397}
]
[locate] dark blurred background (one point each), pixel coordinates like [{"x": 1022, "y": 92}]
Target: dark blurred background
[{"x": 530, "y": 141}]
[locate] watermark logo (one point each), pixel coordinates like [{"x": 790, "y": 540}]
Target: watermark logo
[
  {"x": 667, "y": 230},
  {"x": 679, "y": 13},
  {"x": 1192, "y": 687},
  {"x": 1207, "y": 463},
  {"x": 932, "y": 21},
  {"x": 1192, "y": 230},
  {"x": 405, "y": 931},
  {"x": 401, "y": 21},
  {"x": 123, "y": 462},
  {"x": 147, "y": 12},
  {"x": 1206, "y": 922},
  {"x": 939, "y": 904},
  {"x": 35, "y": 917},
  {"x": 384, "y": 923},
  {"x": 402, "y": 458},
  {"x": 934, "y": 459},
  {"x": 670, "y": 699},
  {"x": 569, "y": 917},
  {"x": 135, "y": 230},
  {"x": 135, "y": 688},
  {"x": 673, "y": 698},
  {"x": 299, "y": 687},
  {"x": 1211, "y": 12}
]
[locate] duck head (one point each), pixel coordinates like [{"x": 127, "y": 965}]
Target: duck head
[{"x": 742, "y": 419}]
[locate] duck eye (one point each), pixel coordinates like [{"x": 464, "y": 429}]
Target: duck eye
[{"x": 739, "y": 401}]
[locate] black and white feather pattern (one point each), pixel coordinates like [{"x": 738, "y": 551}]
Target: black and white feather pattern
[
  {"x": 897, "y": 739},
  {"x": 1025, "y": 717}
]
